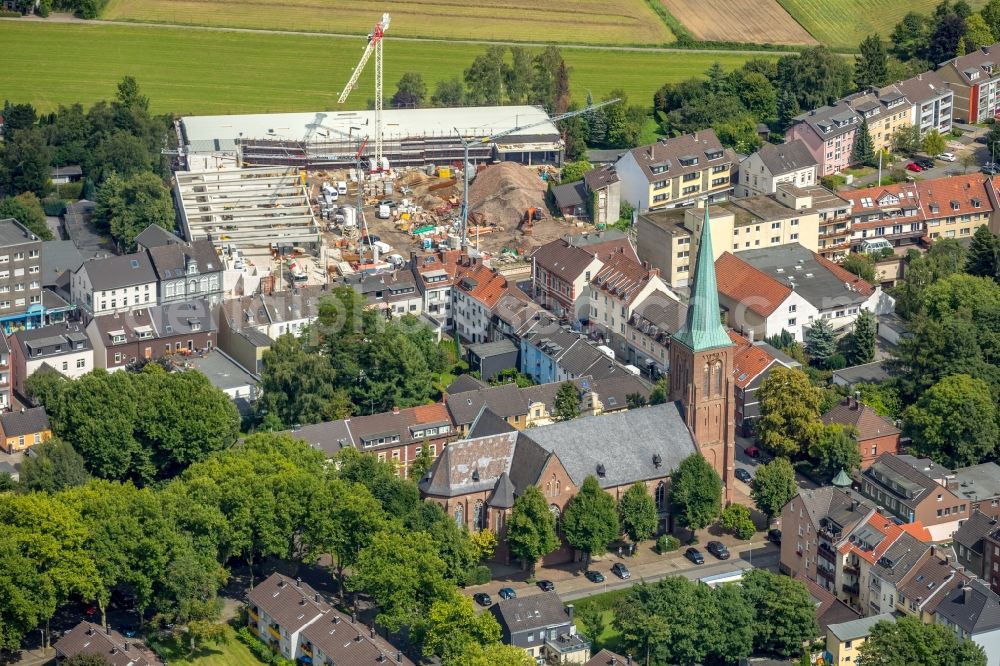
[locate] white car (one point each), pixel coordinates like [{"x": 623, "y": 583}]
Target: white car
[{"x": 947, "y": 157}]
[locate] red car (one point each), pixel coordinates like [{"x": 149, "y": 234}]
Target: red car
[
  {"x": 914, "y": 167},
  {"x": 752, "y": 451}
]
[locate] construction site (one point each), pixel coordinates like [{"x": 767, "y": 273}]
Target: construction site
[{"x": 304, "y": 197}]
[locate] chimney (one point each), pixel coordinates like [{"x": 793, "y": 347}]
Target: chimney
[
  {"x": 628, "y": 659},
  {"x": 395, "y": 409},
  {"x": 354, "y": 618},
  {"x": 854, "y": 505},
  {"x": 857, "y": 399},
  {"x": 933, "y": 550},
  {"x": 399, "y": 657},
  {"x": 107, "y": 629},
  {"x": 371, "y": 632},
  {"x": 569, "y": 611},
  {"x": 298, "y": 582},
  {"x": 316, "y": 597},
  {"x": 614, "y": 660},
  {"x": 126, "y": 646},
  {"x": 966, "y": 594}
]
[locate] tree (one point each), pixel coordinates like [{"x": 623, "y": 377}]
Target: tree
[
  {"x": 836, "y": 449},
  {"x": 908, "y": 641},
  {"x": 788, "y": 108},
  {"x": 590, "y": 521},
  {"x": 484, "y": 79},
  {"x": 991, "y": 16},
  {"x": 24, "y": 163},
  {"x": 574, "y": 171},
  {"x": 735, "y": 519},
  {"x": 127, "y": 206},
  {"x": 26, "y": 209},
  {"x": 933, "y": 143},
  {"x": 906, "y": 140},
  {"x": 422, "y": 463},
  {"x": 785, "y": 610},
  {"x": 863, "y": 152},
  {"x": 960, "y": 48},
  {"x": 55, "y": 467},
  {"x": 404, "y": 576},
  {"x": 18, "y": 117},
  {"x": 983, "y": 258},
  {"x": 497, "y": 654},
  {"x": 738, "y": 132},
  {"x": 123, "y": 153},
  {"x": 452, "y": 622},
  {"x": 954, "y": 422},
  {"x": 517, "y": 77},
  {"x": 300, "y": 387},
  {"x": 567, "y": 402},
  {"x": 821, "y": 342},
  {"x": 977, "y": 33},
  {"x": 862, "y": 342},
  {"x": 129, "y": 96},
  {"x": 883, "y": 398},
  {"x": 531, "y": 528},
  {"x": 758, "y": 95},
  {"x": 943, "y": 44},
  {"x": 410, "y": 91},
  {"x": 871, "y": 69},
  {"x": 637, "y": 513},
  {"x": 773, "y": 486},
  {"x": 85, "y": 659},
  {"x": 695, "y": 493},
  {"x": 816, "y": 76},
  {"x": 448, "y": 92},
  {"x": 658, "y": 395},
  {"x": 789, "y": 411},
  {"x": 861, "y": 264},
  {"x": 597, "y": 124},
  {"x": 544, "y": 84},
  {"x": 910, "y": 36}
]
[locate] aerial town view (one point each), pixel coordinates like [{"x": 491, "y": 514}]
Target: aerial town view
[{"x": 430, "y": 333}]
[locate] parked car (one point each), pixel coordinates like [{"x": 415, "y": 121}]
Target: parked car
[
  {"x": 914, "y": 167},
  {"x": 482, "y": 599},
  {"x": 369, "y": 240},
  {"x": 546, "y": 585},
  {"x": 621, "y": 571},
  {"x": 947, "y": 157},
  {"x": 386, "y": 202},
  {"x": 990, "y": 169},
  {"x": 774, "y": 536},
  {"x": 925, "y": 162},
  {"x": 718, "y": 549},
  {"x": 752, "y": 451},
  {"x": 743, "y": 475},
  {"x": 507, "y": 593},
  {"x": 694, "y": 555},
  {"x": 594, "y": 576}
]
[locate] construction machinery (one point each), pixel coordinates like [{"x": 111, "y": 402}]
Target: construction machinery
[
  {"x": 374, "y": 44},
  {"x": 492, "y": 137},
  {"x": 531, "y": 216}
]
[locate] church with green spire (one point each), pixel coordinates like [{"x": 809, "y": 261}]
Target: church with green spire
[{"x": 701, "y": 368}]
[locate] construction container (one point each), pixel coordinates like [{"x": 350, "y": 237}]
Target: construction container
[{"x": 444, "y": 172}]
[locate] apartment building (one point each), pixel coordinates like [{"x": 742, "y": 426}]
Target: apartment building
[
  {"x": 20, "y": 274},
  {"x": 616, "y": 288},
  {"x": 773, "y": 164},
  {"x": 477, "y": 291},
  {"x": 828, "y": 132},
  {"x": 435, "y": 276},
  {"x": 646, "y": 343},
  {"x": 676, "y": 172},
  {"x": 834, "y": 213},
  {"x": 114, "y": 284},
  {"x": 606, "y": 187},
  {"x": 874, "y": 434},
  {"x": 885, "y": 110},
  {"x": 63, "y": 347},
  {"x": 974, "y": 80},
  {"x": 931, "y": 102},
  {"x": 844, "y": 640},
  {"x": 752, "y": 363}
]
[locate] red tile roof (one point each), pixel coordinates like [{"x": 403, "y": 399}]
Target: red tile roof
[
  {"x": 489, "y": 286},
  {"x": 891, "y": 532},
  {"x": 864, "y": 419},
  {"x": 925, "y": 200},
  {"x": 749, "y": 360},
  {"x": 622, "y": 276},
  {"x": 741, "y": 282}
]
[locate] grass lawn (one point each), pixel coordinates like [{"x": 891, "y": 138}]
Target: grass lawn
[
  {"x": 212, "y": 72},
  {"x": 845, "y": 23},
  {"x": 650, "y": 132},
  {"x": 610, "y": 637},
  {"x": 566, "y": 21},
  {"x": 232, "y": 653}
]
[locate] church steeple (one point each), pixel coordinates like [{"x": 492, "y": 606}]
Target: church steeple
[{"x": 702, "y": 329}]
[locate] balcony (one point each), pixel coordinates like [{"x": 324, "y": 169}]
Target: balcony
[
  {"x": 853, "y": 589},
  {"x": 567, "y": 644},
  {"x": 306, "y": 649},
  {"x": 274, "y": 633},
  {"x": 852, "y": 570},
  {"x": 828, "y": 574},
  {"x": 253, "y": 615}
]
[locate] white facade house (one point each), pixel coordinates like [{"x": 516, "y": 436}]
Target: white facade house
[
  {"x": 114, "y": 284},
  {"x": 771, "y": 165},
  {"x": 63, "y": 347}
]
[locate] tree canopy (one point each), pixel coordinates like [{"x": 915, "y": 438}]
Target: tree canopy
[
  {"x": 531, "y": 528},
  {"x": 773, "y": 486},
  {"x": 695, "y": 493},
  {"x": 910, "y": 642},
  {"x": 590, "y": 521}
]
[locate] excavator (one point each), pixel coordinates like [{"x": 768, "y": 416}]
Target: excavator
[{"x": 531, "y": 216}]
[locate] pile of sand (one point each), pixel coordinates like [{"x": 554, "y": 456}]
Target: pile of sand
[{"x": 501, "y": 193}]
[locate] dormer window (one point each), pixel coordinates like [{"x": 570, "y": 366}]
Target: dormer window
[
  {"x": 689, "y": 160},
  {"x": 713, "y": 154},
  {"x": 118, "y": 337},
  {"x": 192, "y": 267},
  {"x": 954, "y": 205},
  {"x": 195, "y": 324}
]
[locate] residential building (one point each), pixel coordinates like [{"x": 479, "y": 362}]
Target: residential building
[
  {"x": 297, "y": 622},
  {"x": 676, "y": 172},
  {"x": 920, "y": 591},
  {"x": 227, "y": 375},
  {"x": 605, "y": 187},
  {"x": 980, "y": 484},
  {"x": 883, "y": 553},
  {"x": 831, "y": 292},
  {"x": 394, "y": 293},
  {"x": 20, "y": 276},
  {"x": 874, "y": 434},
  {"x": 772, "y": 164},
  {"x": 114, "y": 284},
  {"x": 886, "y": 110},
  {"x": 668, "y": 239},
  {"x": 972, "y": 610},
  {"x": 907, "y": 488},
  {"x": 63, "y": 347},
  {"x": 435, "y": 276},
  {"x": 752, "y": 363},
  {"x": 241, "y": 325},
  {"x": 186, "y": 271},
  {"x": 290, "y": 311},
  {"x": 491, "y": 358},
  {"x": 608, "y": 658},
  {"x": 156, "y": 236},
  {"x": 844, "y": 640},
  {"x": 87, "y": 638},
  {"x": 891, "y": 212},
  {"x": 398, "y": 436},
  {"x": 478, "y": 288},
  {"x": 5, "y": 378},
  {"x": 151, "y": 333},
  {"x": 828, "y": 132},
  {"x": 991, "y": 559},
  {"x": 572, "y": 200},
  {"x": 931, "y": 100},
  {"x": 757, "y": 304},
  {"x": 834, "y": 211},
  {"x": 970, "y": 543},
  {"x": 561, "y": 270},
  {"x": 646, "y": 343},
  {"x": 71, "y": 173},
  {"x": 543, "y": 627},
  {"x": 614, "y": 291},
  {"x": 22, "y": 429},
  {"x": 868, "y": 373},
  {"x": 973, "y": 79}
]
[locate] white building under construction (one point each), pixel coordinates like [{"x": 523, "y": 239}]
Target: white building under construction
[{"x": 411, "y": 137}]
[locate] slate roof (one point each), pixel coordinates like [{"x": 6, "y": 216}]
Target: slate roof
[
  {"x": 291, "y": 603},
  {"x": 156, "y": 236},
  {"x": 973, "y": 531},
  {"x": 923, "y": 87},
  {"x": 830, "y": 121},
  {"x": 979, "y": 613},
  {"x": 924, "y": 584},
  {"x": 860, "y": 628},
  {"x": 175, "y": 319},
  {"x": 783, "y": 158},
  {"x": 622, "y": 277},
  {"x": 829, "y": 609},
  {"x": 488, "y": 349},
  {"x": 363, "y": 431},
  {"x": 13, "y": 232},
  {"x": 503, "y": 494},
  {"x": 978, "y": 482},
  {"x": 170, "y": 261},
  {"x": 613, "y": 391},
  {"x": 836, "y": 505},
  {"x": 52, "y": 340},
  {"x": 470, "y": 465},
  {"x": 302, "y": 303},
  {"x": 669, "y": 152},
  {"x": 69, "y": 170},
  {"x": 743, "y": 283},
  {"x": 570, "y": 195},
  {"x": 528, "y": 462},
  {"x": 58, "y": 256},
  {"x": 864, "y": 419},
  {"x": 487, "y": 423},
  {"x": 601, "y": 177},
  {"x": 90, "y": 638},
  {"x": 817, "y": 280},
  {"x": 899, "y": 558},
  {"x": 982, "y": 61},
  {"x": 464, "y": 383},
  {"x": 532, "y": 612},
  {"x": 658, "y": 316},
  {"x": 24, "y": 422},
  {"x": 351, "y": 644},
  {"x": 893, "y": 472},
  {"x": 606, "y": 658},
  {"x": 116, "y": 272},
  {"x": 639, "y": 436}
]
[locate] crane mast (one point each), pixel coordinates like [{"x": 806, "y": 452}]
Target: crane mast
[{"x": 374, "y": 44}]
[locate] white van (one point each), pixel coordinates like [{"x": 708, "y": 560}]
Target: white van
[{"x": 342, "y": 187}]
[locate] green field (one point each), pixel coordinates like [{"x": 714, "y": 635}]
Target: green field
[
  {"x": 844, "y": 23},
  {"x": 565, "y": 21},
  {"x": 215, "y": 72},
  {"x": 231, "y": 653}
]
